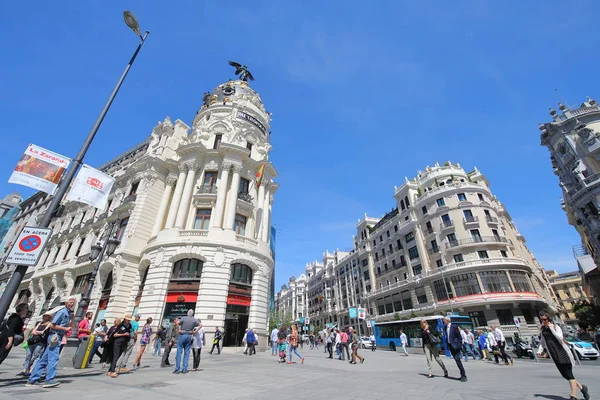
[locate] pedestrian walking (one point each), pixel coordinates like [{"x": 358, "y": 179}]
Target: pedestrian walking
[
  {"x": 121, "y": 338},
  {"x": 553, "y": 340},
  {"x": 499, "y": 336},
  {"x": 294, "y": 345},
  {"x": 144, "y": 341},
  {"x": 122, "y": 362},
  {"x": 245, "y": 341},
  {"x": 36, "y": 343},
  {"x": 355, "y": 345},
  {"x": 250, "y": 341},
  {"x": 217, "y": 341},
  {"x": 171, "y": 338},
  {"x": 197, "y": 345},
  {"x": 483, "y": 345},
  {"x": 11, "y": 331},
  {"x": 403, "y": 342},
  {"x": 99, "y": 335},
  {"x": 48, "y": 363},
  {"x": 274, "y": 341},
  {"x": 282, "y": 345},
  {"x": 109, "y": 342},
  {"x": 454, "y": 340},
  {"x": 188, "y": 327},
  {"x": 159, "y": 338},
  {"x": 430, "y": 348}
]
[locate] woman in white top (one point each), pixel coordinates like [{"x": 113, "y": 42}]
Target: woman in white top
[{"x": 197, "y": 345}]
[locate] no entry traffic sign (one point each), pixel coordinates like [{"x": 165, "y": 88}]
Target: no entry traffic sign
[{"x": 29, "y": 246}]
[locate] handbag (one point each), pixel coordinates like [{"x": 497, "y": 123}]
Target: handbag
[{"x": 434, "y": 339}]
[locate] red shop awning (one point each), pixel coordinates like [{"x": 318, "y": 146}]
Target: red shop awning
[{"x": 177, "y": 297}]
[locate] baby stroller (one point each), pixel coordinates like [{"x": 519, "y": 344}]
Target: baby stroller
[{"x": 282, "y": 350}]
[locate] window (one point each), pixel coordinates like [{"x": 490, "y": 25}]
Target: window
[
  {"x": 374, "y": 243},
  {"x": 413, "y": 253},
  {"x": 210, "y": 178},
  {"x": 188, "y": 268},
  {"x": 249, "y": 147},
  {"x": 241, "y": 273},
  {"x": 81, "y": 283},
  {"x": 382, "y": 252},
  {"x": 409, "y": 237},
  {"x": 122, "y": 227},
  {"x": 495, "y": 282},
  {"x": 441, "y": 292},
  {"x": 503, "y": 253},
  {"x": 68, "y": 250},
  {"x": 134, "y": 188},
  {"x": 108, "y": 205},
  {"x": 476, "y": 236},
  {"x": 239, "y": 225},
  {"x": 458, "y": 258},
  {"x": 429, "y": 227},
  {"x": 391, "y": 249},
  {"x": 451, "y": 237},
  {"x": 487, "y": 214},
  {"x": 395, "y": 228},
  {"x": 365, "y": 262},
  {"x": 528, "y": 315},
  {"x": 244, "y": 185},
  {"x": 466, "y": 284},
  {"x": 424, "y": 209},
  {"x": 478, "y": 318},
  {"x": 388, "y": 233},
  {"x": 505, "y": 317},
  {"x": 202, "y": 220},
  {"x": 417, "y": 269},
  {"x": 469, "y": 216},
  {"x": 376, "y": 256},
  {"x": 483, "y": 254},
  {"x": 439, "y": 263},
  {"x": 385, "y": 267},
  {"x": 393, "y": 263},
  {"x": 218, "y": 139},
  {"x": 446, "y": 221},
  {"x": 79, "y": 247},
  {"x": 380, "y": 238},
  {"x": 520, "y": 281},
  {"x": 402, "y": 261},
  {"x": 406, "y": 300},
  {"x": 440, "y": 202},
  {"x": 434, "y": 246},
  {"x": 461, "y": 197},
  {"x": 480, "y": 196}
]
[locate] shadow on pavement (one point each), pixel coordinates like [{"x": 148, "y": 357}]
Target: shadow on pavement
[
  {"x": 550, "y": 396},
  {"x": 17, "y": 380}
]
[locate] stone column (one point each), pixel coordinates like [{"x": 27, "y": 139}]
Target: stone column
[
  {"x": 221, "y": 193},
  {"x": 164, "y": 203},
  {"x": 259, "y": 306},
  {"x": 186, "y": 197},
  {"x": 232, "y": 199},
  {"x": 176, "y": 198},
  {"x": 265, "y": 217},
  {"x": 259, "y": 211}
]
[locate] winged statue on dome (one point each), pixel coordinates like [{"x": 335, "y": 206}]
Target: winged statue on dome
[{"x": 242, "y": 71}]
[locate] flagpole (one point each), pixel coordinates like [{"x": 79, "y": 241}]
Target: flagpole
[{"x": 17, "y": 277}]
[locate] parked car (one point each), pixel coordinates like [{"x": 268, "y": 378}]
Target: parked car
[
  {"x": 582, "y": 349},
  {"x": 365, "y": 342}
]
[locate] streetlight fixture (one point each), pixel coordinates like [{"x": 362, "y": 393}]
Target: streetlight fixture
[
  {"x": 107, "y": 247},
  {"x": 13, "y": 284}
]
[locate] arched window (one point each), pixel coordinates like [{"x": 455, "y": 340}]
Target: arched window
[
  {"x": 241, "y": 273},
  {"x": 108, "y": 285},
  {"x": 406, "y": 202},
  {"x": 188, "y": 268},
  {"x": 402, "y": 204}
]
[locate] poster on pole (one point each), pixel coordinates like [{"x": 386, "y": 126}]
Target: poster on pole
[
  {"x": 368, "y": 324},
  {"x": 362, "y": 313},
  {"x": 352, "y": 312},
  {"x": 39, "y": 169},
  {"x": 91, "y": 187}
]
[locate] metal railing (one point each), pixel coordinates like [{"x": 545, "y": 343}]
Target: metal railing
[
  {"x": 193, "y": 232},
  {"x": 477, "y": 239},
  {"x": 245, "y": 196},
  {"x": 207, "y": 189},
  {"x": 447, "y": 224},
  {"x": 492, "y": 220},
  {"x": 470, "y": 219}
]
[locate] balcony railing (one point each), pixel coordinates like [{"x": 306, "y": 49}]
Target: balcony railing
[
  {"x": 193, "y": 232},
  {"x": 471, "y": 220},
  {"x": 433, "y": 250},
  {"x": 244, "y": 239},
  {"x": 447, "y": 224},
  {"x": 491, "y": 220},
  {"x": 207, "y": 189},
  {"x": 83, "y": 258},
  {"x": 245, "y": 196},
  {"x": 477, "y": 239},
  {"x": 429, "y": 231}
]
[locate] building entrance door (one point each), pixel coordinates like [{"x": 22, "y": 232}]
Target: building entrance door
[{"x": 235, "y": 327}]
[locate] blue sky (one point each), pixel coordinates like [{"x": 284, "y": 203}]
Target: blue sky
[{"x": 361, "y": 96}]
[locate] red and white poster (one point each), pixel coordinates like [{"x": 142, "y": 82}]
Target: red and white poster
[
  {"x": 91, "y": 187},
  {"x": 40, "y": 169}
]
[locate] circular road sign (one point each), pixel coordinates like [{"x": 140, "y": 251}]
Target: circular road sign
[{"x": 30, "y": 243}]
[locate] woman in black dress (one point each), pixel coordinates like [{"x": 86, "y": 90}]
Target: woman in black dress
[{"x": 554, "y": 342}]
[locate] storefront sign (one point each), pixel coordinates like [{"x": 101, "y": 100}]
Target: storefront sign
[
  {"x": 252, "y": 120},
  {"x": 39, "y": 169},
  {"x": 173, "y": 310},
  {"x": 239, "y": 300}
]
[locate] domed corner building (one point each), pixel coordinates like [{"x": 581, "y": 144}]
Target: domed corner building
[{"x": 194, "y": 223}]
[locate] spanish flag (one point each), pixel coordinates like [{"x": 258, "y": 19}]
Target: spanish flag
[{"x": 259, "y": 175}]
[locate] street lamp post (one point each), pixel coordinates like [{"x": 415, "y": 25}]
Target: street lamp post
[
  {"x": 108, "y": 247},
  {"x": 13, "y": 284}
]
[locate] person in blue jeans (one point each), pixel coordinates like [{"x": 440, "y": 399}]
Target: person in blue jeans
[
  {"x": 49, "y": 362},
  {"x": 188, "y": 326}
]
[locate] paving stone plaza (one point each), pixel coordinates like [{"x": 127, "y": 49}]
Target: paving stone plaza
[{"x": 384, "y": 375}]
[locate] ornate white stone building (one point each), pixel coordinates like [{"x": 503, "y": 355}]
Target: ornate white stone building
[
  {"x": 448, "y": 246},
  {"x": 193, "y": 223},
  {"x": 573, "y": 138}
]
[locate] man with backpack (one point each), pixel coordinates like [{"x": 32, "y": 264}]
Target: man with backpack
[{"x": 11, "y": 331}]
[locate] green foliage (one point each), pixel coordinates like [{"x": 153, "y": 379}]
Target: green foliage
[
  {"x": 588, "y": 315},
  {"x": 413, "y": 315},
  {"x": 419, "y": 192},
  {"x": 396, "y": 317},
  {"x": 371, "y": 228},
  {"x": 447, "y": 164},
  {"x": 277, "y": 318}
]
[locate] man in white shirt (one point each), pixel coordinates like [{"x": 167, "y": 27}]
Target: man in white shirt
[
  {"x": 274, "y": 342},
  {"x": 500, "y": 339},
  {"x": 471, "y": 345},
  {"x": 403, "y": 342}
]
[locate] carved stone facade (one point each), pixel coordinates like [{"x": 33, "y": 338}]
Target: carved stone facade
[{"x": 193, "y": 222}]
